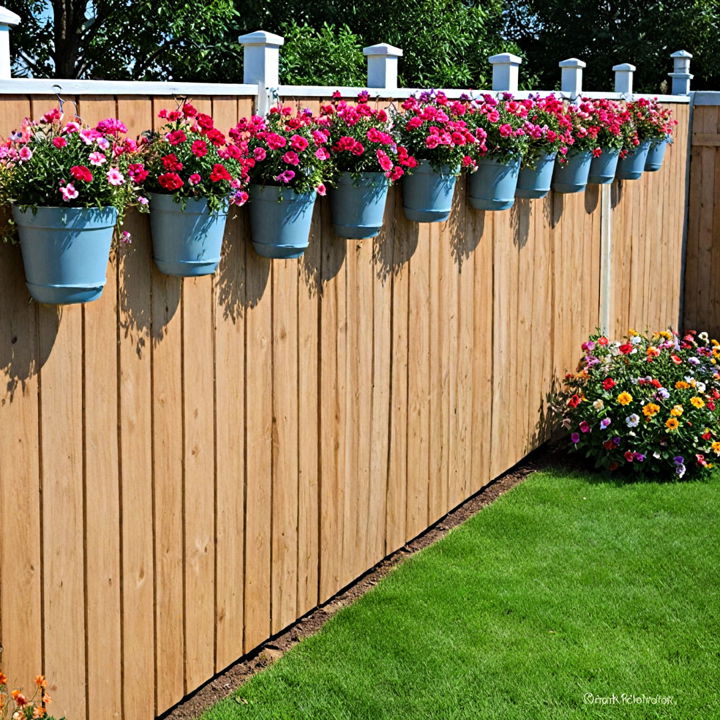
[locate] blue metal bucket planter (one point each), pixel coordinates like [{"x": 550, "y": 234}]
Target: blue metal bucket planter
[
  {"x": 186, "y": 242},
  {"x": 493, "y": 184},
  {"x": 604, "y": 167},
  {"x": 536, "y": 182},
  {"x": 572, "y": 176},
  {"x": 631, "y": 167},
  {"x": 656, "y": 155},
  {"x": 280, "y": 221},
  {"x": 358, "y": 205},
  {"x": 65, "y": 251},
  {"x": 427, "y": 194}
]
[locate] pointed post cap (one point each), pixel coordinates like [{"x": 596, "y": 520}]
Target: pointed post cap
[
  {"x": 681, "y": 54},
  {"x": 572, "y": 63},
  {"x": 383, "y": 50},
  {"x": 8, "y": 17},
  {"x": 262, "y": 37},
  {"x": 505, "y": 59},
  {"x": 624, "y": 67}
]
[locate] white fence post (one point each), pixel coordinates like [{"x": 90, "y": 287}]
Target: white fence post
[
  {"x": 681, "y": 76},
  {"x": 7, "y": 20},
  {"x": 382, "y": 65},
  {"x": 261, "y": 65},
  {"x": 624, "y": 78},
  {"x": 571, "y": 77},
  {"x": 506, "y": 71}
]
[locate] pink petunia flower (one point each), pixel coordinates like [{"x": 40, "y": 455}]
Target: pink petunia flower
[
  {"x": 97, "y": 158},
  {"x": 194, "y": 179},
  {"x": 115, "y": 177},
  {"x": 321, "y": 189},
  {"x": 68, "y": 192},
  {"x": 25, "y": 153}
]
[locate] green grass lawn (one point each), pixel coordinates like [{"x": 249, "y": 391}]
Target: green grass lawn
[{"x": 568, "y": 585}]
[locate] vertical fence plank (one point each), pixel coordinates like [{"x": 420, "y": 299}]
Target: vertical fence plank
[
  {"x": 102, "y": 499},
  {"x": 284, "y": 442},
  {"x": 20, "y": 520},
  {"x": 136, "y": 457},
  {"x": 258, "y": 439},
  {"x": 395, "y": 262},
  {"x": 229, "y": 322}
]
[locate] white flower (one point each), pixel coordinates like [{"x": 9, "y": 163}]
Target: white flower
[{"x": 598, "y": 404}]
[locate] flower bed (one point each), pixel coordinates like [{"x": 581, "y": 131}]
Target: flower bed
[{"x": 649, "y": 404}]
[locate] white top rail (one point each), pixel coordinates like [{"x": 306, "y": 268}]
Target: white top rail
[{"x": 37, "y": 86}]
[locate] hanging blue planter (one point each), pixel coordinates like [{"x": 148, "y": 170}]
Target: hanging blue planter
[
  {"x": 280, "y": 221},
  {"x": 631, "y": 167},
  {"x": 65, "y": 251},
  {"x": 358, "y": 204},
  {"x": 572, "y": 176},
  {"x": 656, "y": 155},
  {"x": 535, "y": 182},
  {"x": 186, "y": 242},
  {"x": 428, "y": 194},
  {"x": 493, "y": 184},
  {"x": 604, "y": 167}
]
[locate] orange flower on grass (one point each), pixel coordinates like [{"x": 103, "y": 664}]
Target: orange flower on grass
[
  {"x": 677, "y": 410},
  {"x": 697, "y": 401},
  {"x": 672, "y": 423},
  {"x": 682, "y": 385},
  {"x": 624, "y": 398}
]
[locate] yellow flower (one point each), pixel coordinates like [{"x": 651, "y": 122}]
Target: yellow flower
[
  {"x": 681, "y": 385},
  {"x": 632, "y": 333},
  {"x": 624, "y": 398},
  {"x": 677, "y": 411},
  {"x": 716, "y": 447},
  {"x": 716, "y": 351},
  {"x": 651, "y": 410},
  {"x": 697, "y": 401},
  {"x": 672, "y": 423}
]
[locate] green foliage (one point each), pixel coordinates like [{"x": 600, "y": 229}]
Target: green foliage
[
  {"x": 566, "y": 586},
  {"x": 115, "y": 39},
  {"x": 607, "y": 32},
  {"x": 328, "y": 56}
]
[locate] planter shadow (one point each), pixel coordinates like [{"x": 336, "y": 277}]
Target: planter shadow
[
  {"x": 398, "y": 239},
  {"x": 27, "y": 329},
  {"x": 616, "y": 194},
  {"x": 236, "y": 289},
  {"x": 520, "y": 215},
  {"x": 467, "y": 225},
  {"x": 554, "y": 207},
  {"x": 136, "y": 272},
  {"x": 326, "y": 252},
  {"x": 592, "y": 198}
]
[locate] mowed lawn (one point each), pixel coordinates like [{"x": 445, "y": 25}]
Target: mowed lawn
[{"x": 567, "y": 587}]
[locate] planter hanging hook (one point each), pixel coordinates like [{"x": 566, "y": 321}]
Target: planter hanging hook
[{"x": 61, "y": 103}]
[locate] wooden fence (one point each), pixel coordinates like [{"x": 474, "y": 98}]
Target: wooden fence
[
  {"x": 189, "y": 466},
  {"x": 702, "y": 262}
]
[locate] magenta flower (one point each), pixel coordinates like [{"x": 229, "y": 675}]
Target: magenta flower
[
  {"x": 575, "y": 438},
  {"x": 321, "y": 189},
  {"x": 291, "y": 158}
]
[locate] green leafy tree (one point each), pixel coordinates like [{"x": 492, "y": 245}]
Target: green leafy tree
[
  {"x": 116, "y": 39},
  {"x": 604, "y": 33}
]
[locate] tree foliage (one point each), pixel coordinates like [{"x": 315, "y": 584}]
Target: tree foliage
[{"x": 604, "y": 33}]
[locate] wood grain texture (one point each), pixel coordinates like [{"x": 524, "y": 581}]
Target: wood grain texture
[{"x": 226, "y": 452}]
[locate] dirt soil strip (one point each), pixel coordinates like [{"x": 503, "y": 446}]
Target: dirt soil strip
[{"x": 227, "y": 681}]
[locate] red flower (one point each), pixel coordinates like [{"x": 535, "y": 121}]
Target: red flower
[
  {"x": 215, "y": 137},
  {"x": 171, "y": 162},
  {"x": 609, "y": 445},
  {"x": 219, "y": 172},
  {"x": 629, "y": 455},
  {"x": 574, "y": 401},
  {"x": 608, "y": 384},
  {"x": 59, "y": 142},
  {"x": 676, "y": 359},
  {"x": 204, "y": 121},
  {"x": 656, "y": 383},
  {"x": 176, "y": 137},
  {"x": 626, "y": 349},
  {"x": 710, "y": 405},
  {"x": 137, "y": 172},
  {"x": 199, "y": 148},
  {"x": 170, "y": 181},
  {"x": 80, "y": 172},
  {"x": 706, "y": 436}
]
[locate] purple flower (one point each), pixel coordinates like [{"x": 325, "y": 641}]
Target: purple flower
[
  {"x": 605, "y": 422},
  {"x": 693, "y": 361},
  {"x": 616, "y": 441},
  {"x": 639, "y": 457},
  {"x": 662, "y": 394},
  {"x": 679, "y": 460},
  {"x": 575, "y": 438}
]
